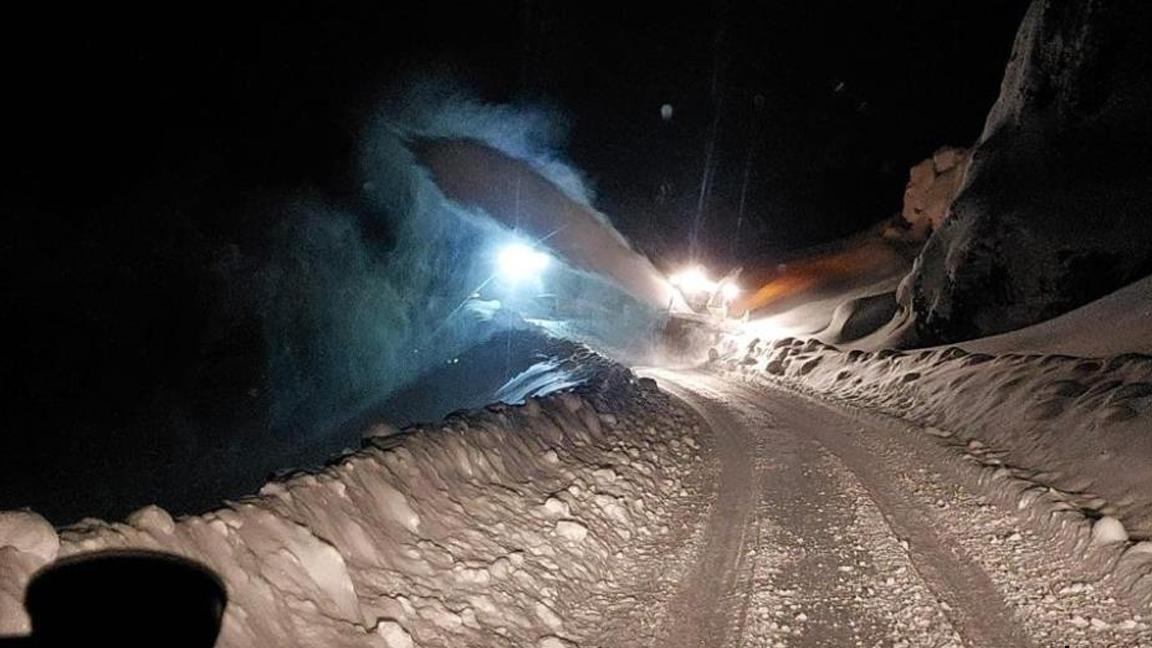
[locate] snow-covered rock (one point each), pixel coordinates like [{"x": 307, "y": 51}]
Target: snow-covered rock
[{"x": 932, "y": 184}]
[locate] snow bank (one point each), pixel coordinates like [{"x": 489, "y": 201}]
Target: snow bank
[
  {"x": 494, "y": 527},
  {"x": 27, "y": 543},
  {"x": 1127, "y": 312},
  {"x": 802, "y": 295},
  {"x": 508, "y": 368},
  {"x": 1061, "y": 434}
]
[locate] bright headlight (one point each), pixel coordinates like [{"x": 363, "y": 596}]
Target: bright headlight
[
  {"x": 518, "y": 261},
  {"x": 693, "y": 280}
]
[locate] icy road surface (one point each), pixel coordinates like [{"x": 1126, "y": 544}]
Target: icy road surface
[{"x": 835, "y": 527}]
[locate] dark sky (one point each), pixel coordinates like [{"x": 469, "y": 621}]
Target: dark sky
[
  {"x": 142, "y": 140},
  {"x": 175, "y": 108},
  {"x": 834, "y": 101}
]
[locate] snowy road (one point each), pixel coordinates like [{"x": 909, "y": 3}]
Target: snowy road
[
  {"x": 835, "y": 527},
  {"x": 745, "y": 513}
]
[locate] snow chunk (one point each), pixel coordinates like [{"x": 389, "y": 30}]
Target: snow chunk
[
  {"x": 572, "y": 530},
  {"x": 550, "y": 618},
  {"x": 28, "y": 532},
  {"x": 501, "y": 567},
  {"x": 1108, "y": 530},
  {"x": 380, "y": 430},
  {"x": 604, "y": 476},
  {"x": 442, "y": 617},
  {"x": 152, "y": 518},
  {"x": 552, "y": 641},
  {"x": 1142, "y": 547},
  {"x": 613, "y": 509},
  {"x": 394, "y": 634},
  {"x": 556, "y": 507},
  {"x": 397, "y": 505}
]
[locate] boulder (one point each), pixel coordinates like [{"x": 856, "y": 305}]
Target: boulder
[
  {"x": 932, "y": 185},
  {"x": 1055, "y": 208}
]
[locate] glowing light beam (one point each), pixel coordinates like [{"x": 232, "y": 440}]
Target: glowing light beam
[{"x": 517, "y": 261}]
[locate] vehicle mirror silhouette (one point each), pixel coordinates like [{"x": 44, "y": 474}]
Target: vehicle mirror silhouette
[{"x": 124, "y": 598}]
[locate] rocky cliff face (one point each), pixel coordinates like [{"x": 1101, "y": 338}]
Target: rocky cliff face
[{"x": 1056, "y": 206}]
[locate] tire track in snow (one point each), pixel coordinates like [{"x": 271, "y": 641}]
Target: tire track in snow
[
  {"x": 712, "y": 602},
  {"x": 974, "y": 605},
  {"x": 711, "y": 606}
]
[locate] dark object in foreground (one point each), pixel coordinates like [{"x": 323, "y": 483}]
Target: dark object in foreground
[{"x": 124, "y": 598}]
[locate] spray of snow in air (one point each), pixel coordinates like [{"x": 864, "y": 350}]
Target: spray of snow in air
[
  {"x": 512, "y": 191},
  {"x": 357, "y": 301}
]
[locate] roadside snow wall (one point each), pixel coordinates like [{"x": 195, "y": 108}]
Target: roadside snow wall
[
  {"x": 1068, "y": 439},
  {"x": 495, "y": 527}
]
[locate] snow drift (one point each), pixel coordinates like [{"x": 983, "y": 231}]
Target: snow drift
[
  {"x": 1127, "y": 312},
  {"x": 502, "y": 526},
  {"x": 1066, "y": 434}
]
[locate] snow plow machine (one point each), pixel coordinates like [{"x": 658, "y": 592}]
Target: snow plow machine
[{"x": 704, "y": 315}]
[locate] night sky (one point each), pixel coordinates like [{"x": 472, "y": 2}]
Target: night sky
[
  {"x": 140, "y": 138},
  {"x": 131, "y": 112}
]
